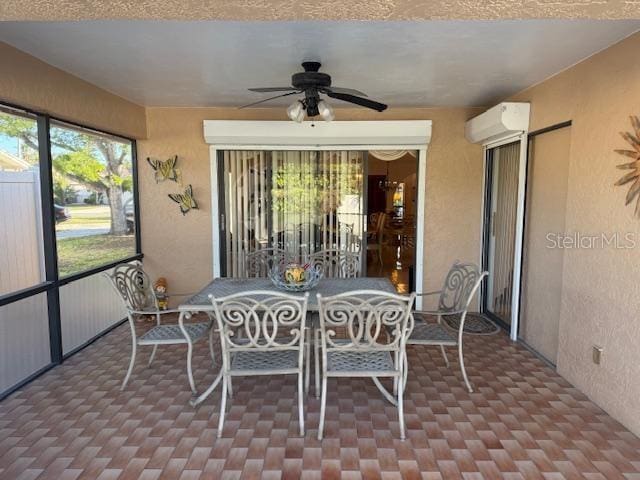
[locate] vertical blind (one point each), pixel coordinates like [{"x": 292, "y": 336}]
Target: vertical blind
[
  {"x": 506, "y": 160},
  {"x": 297, "y": 201}
]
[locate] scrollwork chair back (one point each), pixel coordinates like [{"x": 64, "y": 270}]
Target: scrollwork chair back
[
  {"x": 134, "y": 287},
  {"x": 261, "y": 320},
  {"x": 369, "y": 320},
  {"x": 336, "y": 263},
  {"x": 259, "y": 263},
  {"x": 459, "y": 283}
]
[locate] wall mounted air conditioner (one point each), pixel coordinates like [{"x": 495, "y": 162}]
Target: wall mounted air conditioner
[{"x": 505, "y": 120}]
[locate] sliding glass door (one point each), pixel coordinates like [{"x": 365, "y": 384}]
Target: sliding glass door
[
  {"x": 503, "y": 164},
  {"x": 299, "y": 201}
]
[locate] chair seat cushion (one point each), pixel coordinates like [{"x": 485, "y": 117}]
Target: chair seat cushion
[
  {"x": 430, "y": 334},
  {"x": 173, "y": 334},
  {"x": 354, "y": 361},
  {"x": 263, "y": 361}
]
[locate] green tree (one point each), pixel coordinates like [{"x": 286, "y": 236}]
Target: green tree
[{"x": 98, "y": 163}]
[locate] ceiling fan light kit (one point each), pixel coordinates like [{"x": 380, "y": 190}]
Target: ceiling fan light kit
[
  {"x": 312, "y": 83},
  {"x": 326, "y": 111},
  {"x": 295, "y": 111}
]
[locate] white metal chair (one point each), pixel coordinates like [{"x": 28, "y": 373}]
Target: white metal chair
[
  {"x": 460, "y": 286},
  {"x": 336, "y": 263},
  {"x": 134, "y": 288},
  {"x": 333, "y": 263},
  {"x": 260, "y": 262},
  {"x": 261, "y": 333},
  {"x": 374, "y": 327}
]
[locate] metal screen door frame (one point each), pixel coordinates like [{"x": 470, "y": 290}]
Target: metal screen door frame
[{"x": 519, "y": 228}]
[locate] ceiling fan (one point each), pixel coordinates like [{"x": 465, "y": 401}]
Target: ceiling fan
[{"x": 312, "y": 83}]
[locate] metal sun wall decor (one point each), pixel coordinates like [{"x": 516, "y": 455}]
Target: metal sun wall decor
[
  {"x": 633, "y": 138},
  {"x": 185, "y": 200},
  {"x": 165, "y": 169}
]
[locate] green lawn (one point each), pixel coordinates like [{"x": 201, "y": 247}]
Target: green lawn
[{"x": 83, "y": 253}]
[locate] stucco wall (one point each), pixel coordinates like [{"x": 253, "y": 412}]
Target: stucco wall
[
  {"x": 542, "y": 267},
  {"x": 313, "y": 10},
  {"x": 32, "y": 83},
  {"x": 600, "y": 286},
  {"x": 180, "y": 247}
]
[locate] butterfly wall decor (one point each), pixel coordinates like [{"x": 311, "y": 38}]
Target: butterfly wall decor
[
  {"x": 165, "y": 169},
  {"x": 185, "y": 200}
]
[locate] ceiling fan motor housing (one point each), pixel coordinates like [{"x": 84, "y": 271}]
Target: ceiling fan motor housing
[
  {"x": 311, "y": 78},
  {"x": 307, "y": 80}
]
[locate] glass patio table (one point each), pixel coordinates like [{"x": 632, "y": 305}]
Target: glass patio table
[{"x": 221, "y": 287}]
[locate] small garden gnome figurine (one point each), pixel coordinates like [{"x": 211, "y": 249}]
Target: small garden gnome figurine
[{"x": 160, "y": 290}]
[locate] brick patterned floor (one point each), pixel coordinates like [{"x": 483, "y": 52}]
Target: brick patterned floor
[{"x": 523, "y": 422}]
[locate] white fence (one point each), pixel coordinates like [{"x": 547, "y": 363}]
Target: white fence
[{"x": 21, "y": 252}]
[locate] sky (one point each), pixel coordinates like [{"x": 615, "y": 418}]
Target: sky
[{"x": 9, "y": 144}]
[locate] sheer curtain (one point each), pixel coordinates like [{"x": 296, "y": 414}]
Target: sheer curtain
[{"x": 390, "y": 155}]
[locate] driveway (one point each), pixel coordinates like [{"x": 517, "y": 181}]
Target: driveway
[
  {"x": 85, "y": 220},
  {"x": 81, "y": 232}
]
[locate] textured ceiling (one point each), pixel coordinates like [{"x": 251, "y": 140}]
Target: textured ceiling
[
  {"x": 314, "y": 9},
  {"x": 412, "y": 64}
]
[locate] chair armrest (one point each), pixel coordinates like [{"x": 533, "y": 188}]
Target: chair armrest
[{"x": 425, "y": 294}]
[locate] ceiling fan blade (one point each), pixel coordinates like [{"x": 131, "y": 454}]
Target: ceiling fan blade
[
  {"x": 363, "y": 102},
  {"x": 273, "y": 89},
  {"x": 348, "y": 91},
  {"x": 267, "y": 99}
]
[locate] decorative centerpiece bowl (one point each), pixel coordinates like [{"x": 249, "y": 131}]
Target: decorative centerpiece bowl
[{"x": 294, "y": 277}]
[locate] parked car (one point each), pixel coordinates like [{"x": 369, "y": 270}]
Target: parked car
[
  {"x": 129, "y": 215},
  {"x": 62, "y": 213}
]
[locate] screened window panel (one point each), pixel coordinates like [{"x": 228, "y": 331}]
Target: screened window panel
[
  {"x": 88, "y": 307},
  {"x": 21, "y": 239},
  {"x": 24, "y": 339},
  {"x": 93, "y": 179}
]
